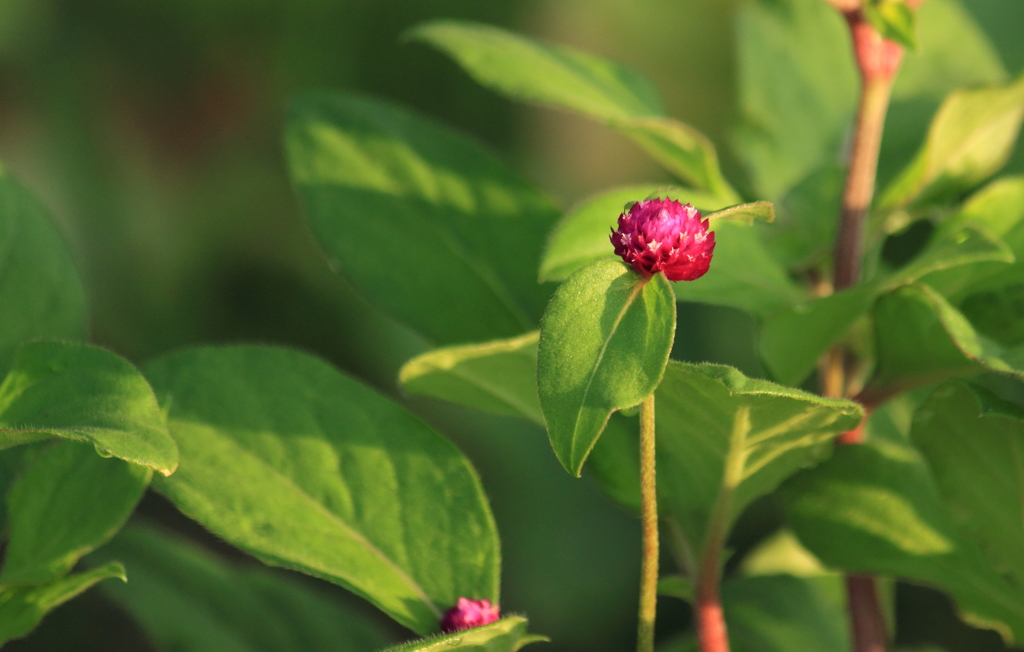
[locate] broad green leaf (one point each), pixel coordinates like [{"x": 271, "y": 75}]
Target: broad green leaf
[
  {"x": 999, "y": 313},
  {"x": 922, "y": 340},
  {"x": 998, "y": 210},
  {"x": 581, "y": 237},
  {"x": 189, "y": 599},
  {"x": 417, "y": 217},
  {"x": 794, "y": 338},
  {"x": 499, "y": 377},
  {"x": 564, "y": 78},
  {"x": 725, "y": 439},
  {"x": 87, "y": 394},
  {"x": 805, "y": 229},
  {"x": 23, "y": 607},
  {"x": 970, "y": 138},
  {"x": 797, "y": 89},
  {"x": 41, "y": 294},
  {"x": 874, "y": 508},
  {"x": 743, "y": 275},
  {"x": 975, "y": 448},
  {"x": 303, "y": 467},
  {"x": 894, "y": 20},
  {"x": 506, "y": 635},
  {"x": 66, "y": 503},
  {"x": 604, "y": 343}
]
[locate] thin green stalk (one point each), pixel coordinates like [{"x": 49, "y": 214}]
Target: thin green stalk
[{"x": 649, "y": 518}]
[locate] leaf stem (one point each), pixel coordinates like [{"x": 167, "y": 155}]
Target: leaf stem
[
  {"x": 878, "y": 61},
  {"x": 649, "y": 518}
]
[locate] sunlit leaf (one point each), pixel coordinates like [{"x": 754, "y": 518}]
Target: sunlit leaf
[{"x": 506, "y": 635}]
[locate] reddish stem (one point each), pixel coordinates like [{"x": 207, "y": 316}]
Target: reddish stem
[
  {"x": 711, "y": 632},
  {"x": 866, "y": 621}
]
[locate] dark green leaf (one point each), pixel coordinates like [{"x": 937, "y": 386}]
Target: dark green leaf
[
  {"x": 794, "y": 338},
  {"x": 970, "y": 138},
  {"x": 676, "y": 586},
  {"x": 805, "y": 229},
  {"x": 499, "y": 377},
  {"x": 188, "y": 599},
  {"x": 66, "y": 503},
  {"x": 87, "y": 394},
  {"x": 894, "y": 20},
  {"x": 723, "y": 437},
  {"x": 506, "y": 635},
  {"x": 418, "y": 217},
  {"x": 975, "y": 448},
  {"x": 581, "y": 237},
  {"x": 40, "y": 292},
  {"x": 874, "y": 508},
  {"x": 922, "y": 340},
  {"x": 564, "y": 78},
  {"x": 604, "y": 343},
  {"x": 306, "y": 468},
  {"x": 22, "y": 607}
]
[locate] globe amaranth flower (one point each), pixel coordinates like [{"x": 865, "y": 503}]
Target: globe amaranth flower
[
  {"x": 469, "y": 613},
  {"x": 662, "y": 235}
]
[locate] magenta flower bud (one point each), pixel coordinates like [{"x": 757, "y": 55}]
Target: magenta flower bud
[
  {"x": 467, "y": 614},
  {"x": 662, "y": 235}
]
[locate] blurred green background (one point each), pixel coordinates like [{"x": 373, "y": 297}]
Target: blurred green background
[{"x": 153, "y": 132}]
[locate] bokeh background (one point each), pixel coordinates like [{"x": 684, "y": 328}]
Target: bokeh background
[{"x": 153, "y": 132}]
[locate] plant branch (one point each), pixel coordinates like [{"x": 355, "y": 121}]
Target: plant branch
[
  {"x": 649, "y": 518},
  {"x": 866, "y": 619}
]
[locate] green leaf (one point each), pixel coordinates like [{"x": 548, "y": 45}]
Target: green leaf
[
  {"x": 743, "y": 275},
  {"x": 303, "y": 467},
  {"x": 498, "y": 377},
  {"x": 894, "y": 20},
  {"x": 604, "y": 343},
  {"x": 417, "y": 216},
  {"x": 975, "y": 448},
  {"x": 23, "y": 607},
  {"x": 922, "y": 340},
  {"x": 561, "y": 77},
  {"x": 725, "y": 439},
  {"x": 581, "y": 237},
  {"x": 84, "y": 393},
  {"x": 41, "y": 294},
  {"x": 794, "y": 338},
  {"x": 805, "y": 230},
  {"x": 676, "y": 586},
  {"x": 970, "y": 138},
  {"x": 506, "y": 635},
  {"x": 66, "y": 503},
  {"x": 874, "y": 508},
  {"x": 998, "y": 210},
  {"x": 189, "y": 599}
]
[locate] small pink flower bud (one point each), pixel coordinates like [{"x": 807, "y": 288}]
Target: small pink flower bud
[
  {"x": 662, "y": 235},
  {"x": 469, "y": 613}
]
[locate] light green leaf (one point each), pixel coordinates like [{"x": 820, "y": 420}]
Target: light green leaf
[
  {"x": 874, "y": 508},
  {"x": 498, "y": 377},
  {"x": 604, "y": 343},
  {"x": 506, "y": 635},
  {"x": 758, "y": 211},
  {"x": 922, "y": 340},
  {"x": 66, "y": 503},
  {"x": 189, "y": 599},
  {"x": 23, "y": 607},
  {"x": 676, "y": 586},
  {"x": 894, "y": 20},
  {"x": 581, "y": 237},
  {"x": 41, "y": 294},
  {"x": 417, "y": 217},
  {"x": 975, "y": 448},
  {"x": 794, "y": 338},
  {"x": 725, "y": 439},
  {"x": 561, "y": 77},
  {"x": 970, "y": 138},
  {"x": 86, "y": 394},
  {"x": 303, "y": 467}
]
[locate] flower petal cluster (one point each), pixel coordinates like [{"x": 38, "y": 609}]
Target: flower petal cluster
[
  {"x": 469, "y": 613},
  {"x": 662, "y": 235}
]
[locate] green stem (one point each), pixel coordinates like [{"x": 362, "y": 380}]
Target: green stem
[{"x": 649, "y": 518}]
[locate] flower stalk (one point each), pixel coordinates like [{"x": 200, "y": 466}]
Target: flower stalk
[{"x": 649, "y": 519}]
